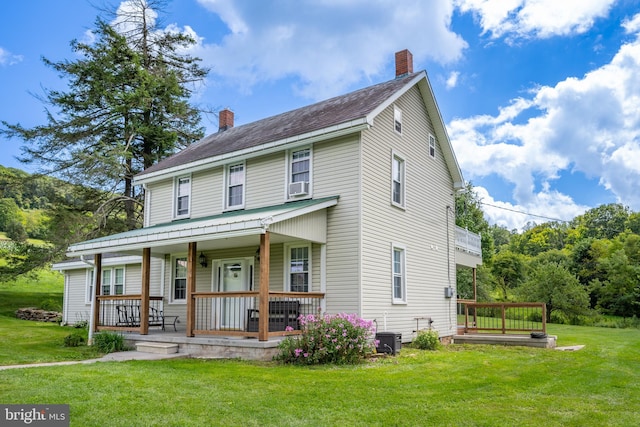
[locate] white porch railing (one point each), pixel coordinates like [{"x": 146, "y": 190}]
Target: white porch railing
[{"x": 467, "y": 241}]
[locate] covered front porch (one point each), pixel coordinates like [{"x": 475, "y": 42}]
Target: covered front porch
[{"x": 199, "y": 300}]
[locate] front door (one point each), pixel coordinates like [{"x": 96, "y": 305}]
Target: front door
[{"x": 232, "y": 275}]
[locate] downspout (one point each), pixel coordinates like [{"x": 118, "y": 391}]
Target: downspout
[
  {"x": 93, "y": 299},
  {"x": 449, "y": 211}
]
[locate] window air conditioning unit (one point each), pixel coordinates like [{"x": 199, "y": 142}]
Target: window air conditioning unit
[{"x": 298, "y": 188}]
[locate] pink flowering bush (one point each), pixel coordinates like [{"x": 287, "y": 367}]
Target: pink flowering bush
[{"x": 339, "y": 339}]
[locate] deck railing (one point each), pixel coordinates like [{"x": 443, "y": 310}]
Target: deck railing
[
  {"x": 502, "y": 318},
  {"x": 237, "y": 314},
  {"x": 122, "y": 312},
  {"x": 468, "y": 241}
]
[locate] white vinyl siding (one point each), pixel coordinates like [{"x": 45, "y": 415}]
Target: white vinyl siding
[
  {"x": 421, "y": 227},
  {"x": 265, "y": 181},
  {"x": 336, "y": 172},
  {"x": 208, "y": 192},
  {"x": 160, "y": 204}
]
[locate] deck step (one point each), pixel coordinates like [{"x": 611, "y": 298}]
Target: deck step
[{"x": 157, "y": 347}]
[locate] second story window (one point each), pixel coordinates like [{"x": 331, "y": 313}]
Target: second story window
[
  {"x": 397, "y": 120},
  {"x": 235, "y": 186},
  {"x": 183, "y": 197},
  {"x": 299, "y": 172},
  {"x": 432, "y": 146},
  {"x": 397, "y": 181}
]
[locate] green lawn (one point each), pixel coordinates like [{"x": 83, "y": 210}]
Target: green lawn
[
  {"x": 455, "y": 386},
  {"x": 33, "y": 342},
  {"x": 459, "y": 385}
]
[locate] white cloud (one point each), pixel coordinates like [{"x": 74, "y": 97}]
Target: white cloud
[
  {"x": 589, "y": 125},
  {"x": 326, "y": 45},
  {"x": 452, "y": 81},
  {"x": 535, "y": 18},
  {"x": 547, "y": 206},
  {"x": 8, "y": 58}
]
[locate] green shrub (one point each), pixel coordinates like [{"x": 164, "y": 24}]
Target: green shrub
[
  {"x": 337, "y": 339},
  {"x": 109, "y": 342},
  {"x": 75, "y": 339},
  {"x": 51, "y": 305},
  {"x": 82, "y": 324},
  {"x": 427, "y": 340}
]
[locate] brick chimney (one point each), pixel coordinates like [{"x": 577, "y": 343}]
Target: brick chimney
[
  {"x": 404, "y": 63},
  {"x": 225, "y": 120}
]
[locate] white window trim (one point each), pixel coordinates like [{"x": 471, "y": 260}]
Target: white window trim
[
  {"x": 287, "y": 264},
  {"x": 288, "y": 160},
  {"x": 397, "y": 117},
  {"x": 432, "y": 144},
  {"x": 227, "y": 169},
  {"x": 89, "y": 287},
  {"x": 172, "y": 287},
  {"x": 112, "y": 278},
  {"x": 403, "y": 300},
  {"x": 176, "y": 184},
  {"x": 403, "y": 180}
]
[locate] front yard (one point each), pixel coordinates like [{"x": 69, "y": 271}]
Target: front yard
[{"x": 455, "y": 386}]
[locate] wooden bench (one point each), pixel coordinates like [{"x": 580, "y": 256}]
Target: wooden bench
[
  {"x": 129, "y": 315},
  {"x": 281, "y": 315}
]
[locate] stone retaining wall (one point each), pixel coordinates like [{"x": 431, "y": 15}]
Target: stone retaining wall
[{"x": 38, "y": 315}]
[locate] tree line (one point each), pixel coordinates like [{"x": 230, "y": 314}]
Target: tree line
[{"x": 581, "y": 269}]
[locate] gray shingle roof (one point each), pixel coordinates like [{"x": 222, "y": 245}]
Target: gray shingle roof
[{"x": 324, "y": 114}]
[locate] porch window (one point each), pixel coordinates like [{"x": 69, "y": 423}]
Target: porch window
[
  {"x": 397, "y": 181},
  {"x": 399, "y": 279},
  {"x": 89, "y": 295},
  {"x": 235, "y": 186},
  {"x": 180, "y": 279},
  {"x": 397, "y": 120},
  {"x": 112, "y": 281},
  {"x": 299, "y": 267},
  {"x": 432, "y": 146},
  {"x": 299, "y": 172},
  {"x": 183, "y": 197},
  {"x": 106, "y": 282}
]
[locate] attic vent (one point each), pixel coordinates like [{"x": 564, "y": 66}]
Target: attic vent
[{"x": 299, "y": 188}]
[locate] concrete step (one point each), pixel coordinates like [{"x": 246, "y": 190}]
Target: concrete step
[{"x": 157, "y": 347}]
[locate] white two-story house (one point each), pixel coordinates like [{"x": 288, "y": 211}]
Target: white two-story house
[{"x": 346, "y": 205}]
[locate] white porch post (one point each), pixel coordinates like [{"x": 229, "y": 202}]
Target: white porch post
[{"x": 191, "y": 288}]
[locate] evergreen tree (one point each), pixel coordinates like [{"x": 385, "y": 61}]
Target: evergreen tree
[{"x": 126, "y": 107}]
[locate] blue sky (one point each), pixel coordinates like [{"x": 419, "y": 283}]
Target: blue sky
[{"x": 541, "y": 98}]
